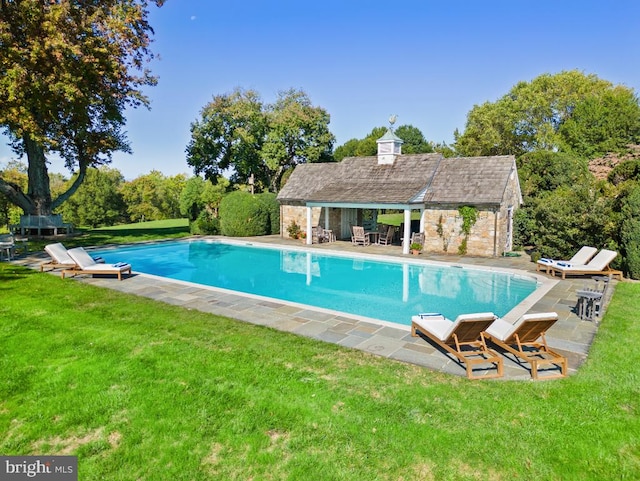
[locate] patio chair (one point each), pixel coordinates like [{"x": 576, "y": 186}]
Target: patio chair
[
  {"x": 521, "y": 340},
  {"x": 318, "y": 235},
  {"x": 580, "y": 258},
  {"x": 359, "y": 236},
  {"x": 7, "y": 246},
  {"x": 463, "y": 338},
  {"x": 85, "y": 264},
  {"x": 60, "y": 257},
  {"x": 599, "y": 265},
  {"x": 386, "y": 238}
]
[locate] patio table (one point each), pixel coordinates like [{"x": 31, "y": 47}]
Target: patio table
[{"x": 586, "y": 299}]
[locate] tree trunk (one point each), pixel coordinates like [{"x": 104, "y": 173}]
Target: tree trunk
[{"x": 39, "y": 191}]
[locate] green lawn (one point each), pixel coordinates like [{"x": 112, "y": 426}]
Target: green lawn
[
  {"x": 122, "y": 234},
  {"x": 141, "y": 390}
]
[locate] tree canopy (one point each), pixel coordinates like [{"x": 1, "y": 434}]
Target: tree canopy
[
  {"x": 568, "y": 111},
  {"x": 68, "y": 70},
  {"x": 413, "y": 138},
  {"x": 238, "y": 133}
]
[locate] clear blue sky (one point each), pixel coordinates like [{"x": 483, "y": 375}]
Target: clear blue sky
[{"x": 427, "y": 61}]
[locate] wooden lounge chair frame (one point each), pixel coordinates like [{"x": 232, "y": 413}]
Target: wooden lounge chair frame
[
  {"x": 467, "y": 344},
  {"x": 590, "y": 268},
  {"x": 54, "y": 262},
  {"x": 80, "y": 256},
  {"x": 78, "y": 270},
  {"x": 607, "y": 271},
  {"x": 529, "y": 344}
]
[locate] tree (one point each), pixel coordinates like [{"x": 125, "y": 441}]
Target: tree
[
  {"x": 98, "y": 201},
  {"x": 154, "y": 196},
  {"x": 298, "y": 133},
  {"x": 240, "y": 134},
  {"x": 16, "y": 173},
  {"x": 603, "y": 123},
  {"x": 68, "y": 70},
  {"x": 561, "y": 221},
  {"x": 348, "y": 149},
  {"x": 191, "y": 203},
  {"x": 543, "y": 171},
  {"x": 413, "y": 138},
  {"x": 414, "y": 141},
  {"x": 530, "y": 117},
  {"x": 229, "y": 136}
]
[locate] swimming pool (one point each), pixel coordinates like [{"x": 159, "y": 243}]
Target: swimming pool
[{"x": 388, "y": 290}]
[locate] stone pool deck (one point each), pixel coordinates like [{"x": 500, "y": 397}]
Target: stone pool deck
[{"x": 570, "y": 336}]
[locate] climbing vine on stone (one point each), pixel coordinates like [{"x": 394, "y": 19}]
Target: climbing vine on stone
[{"x": 469, "y": 216}]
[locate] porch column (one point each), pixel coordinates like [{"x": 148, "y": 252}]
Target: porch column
[
  {"x": 326, "y": 218},
  {"x": 309, "y": 226},
  {"x": 423, "y": 214},
  {"x": 406, "y": 241}
]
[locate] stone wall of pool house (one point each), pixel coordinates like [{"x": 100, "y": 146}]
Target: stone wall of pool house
[
  {"x": 298, "y": 213},
  {"x": 443, "y": 234}
]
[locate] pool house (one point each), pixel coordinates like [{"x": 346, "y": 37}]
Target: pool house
[{"x": 337, "y": 196}]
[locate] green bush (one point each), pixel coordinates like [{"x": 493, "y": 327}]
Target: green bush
[
  {"x": 244, "y": 215},
  {"x": 273, "y": 208},
  {"x": 630, "y": 233},
  {"x": 205, "y": 224}
]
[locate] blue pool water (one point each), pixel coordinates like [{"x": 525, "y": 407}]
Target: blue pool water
[{"x": 390, "y": 291}]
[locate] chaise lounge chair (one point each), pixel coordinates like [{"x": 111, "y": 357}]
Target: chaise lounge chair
[
  {"x": 60, "y": 257},
  {"x": 85, "y": 264},
  {"x": 462, "y": 338},
  {"x": 580, "y": 258},
  {"x": 521, "y": 340},
  {"x": 599, "y": 265}
]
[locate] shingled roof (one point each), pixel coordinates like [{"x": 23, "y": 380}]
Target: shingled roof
[{"x": 411, "y": 179}]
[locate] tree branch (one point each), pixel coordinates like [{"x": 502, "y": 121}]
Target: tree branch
[
  {"x": 71, "y": 190},
  {"x": 15, "y": 194}
]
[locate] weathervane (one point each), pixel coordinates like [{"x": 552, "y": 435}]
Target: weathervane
[{"x": 392, "y": 120}]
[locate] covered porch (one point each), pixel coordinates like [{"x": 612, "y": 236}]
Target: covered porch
[{"x": 339, "y": 217}]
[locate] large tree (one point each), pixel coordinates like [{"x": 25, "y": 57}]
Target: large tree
[
  {"x": 568, "y": 111},
  {"x": 238, "y": 134},
  {"x": 68, "y": 70},
  {"x": 228, "y": 137},
  {"x": 297, "y": 133}
]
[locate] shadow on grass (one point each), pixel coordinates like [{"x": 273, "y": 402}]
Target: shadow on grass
[{"x": 10, "y": 272}]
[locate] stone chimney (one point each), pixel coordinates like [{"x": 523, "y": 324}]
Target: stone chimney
[{"x": 389, "y": 145}]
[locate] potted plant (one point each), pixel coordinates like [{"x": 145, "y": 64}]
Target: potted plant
[{"x": 415, "y": 248}]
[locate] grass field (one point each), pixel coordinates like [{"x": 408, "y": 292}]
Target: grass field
[{"x": 140, "y": 390}]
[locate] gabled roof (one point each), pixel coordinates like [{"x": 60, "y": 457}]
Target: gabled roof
[{"x": 411, "y": 179}]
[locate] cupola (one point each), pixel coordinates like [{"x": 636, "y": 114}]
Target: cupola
[{"x": 389, "y": 145}]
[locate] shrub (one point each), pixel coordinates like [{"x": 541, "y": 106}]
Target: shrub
[
  {"x": 630, "y": 233},
  {"x": 205, "y": 224},
  {"x": 293, "y": 230},
  {"x": 244, "y": 215},
  {"x": 272, "y": 206}
]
